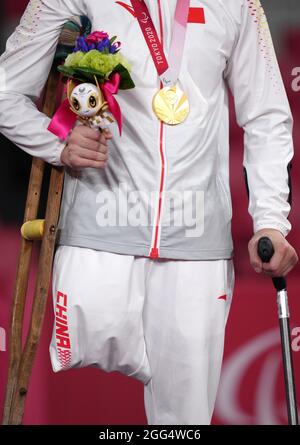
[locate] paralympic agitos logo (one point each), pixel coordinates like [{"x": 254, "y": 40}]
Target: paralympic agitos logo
[
  {"x": 251, "y": 388},
  {"x": 296, "y": 79},
  {"x": 144, "y": 18},
  {"x": 196, "y": 15}
]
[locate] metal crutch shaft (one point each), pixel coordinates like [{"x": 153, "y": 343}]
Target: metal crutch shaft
[{"x": 265, "y": 252}]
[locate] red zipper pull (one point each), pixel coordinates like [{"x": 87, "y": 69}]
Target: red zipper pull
[{"x": 154, "y": 255}]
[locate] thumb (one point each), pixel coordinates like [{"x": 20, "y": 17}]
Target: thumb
[{"x": 107, "y": 134}]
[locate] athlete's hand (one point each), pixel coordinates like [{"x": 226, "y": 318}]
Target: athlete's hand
[
  {"x": 283, "y": 260},
  {"x": 86, "y": 147}
]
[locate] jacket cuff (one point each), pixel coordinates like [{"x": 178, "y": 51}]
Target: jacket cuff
[
  {"x": 284, "y": 229},
  {"x": 55, "y": 160}
]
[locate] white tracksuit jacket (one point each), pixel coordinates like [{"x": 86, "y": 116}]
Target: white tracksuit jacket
[{"x": 165, "y": 191}]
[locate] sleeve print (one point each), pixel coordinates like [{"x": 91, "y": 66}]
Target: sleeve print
[
  {"x": 263, "y": 111},
  {"x": 265, "y": 42},
  {"x": 24, "y": 68},
  {"x": 24, "y": 33}
]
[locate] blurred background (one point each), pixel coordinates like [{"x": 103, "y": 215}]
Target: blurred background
[{"x": 251, "y": 390}]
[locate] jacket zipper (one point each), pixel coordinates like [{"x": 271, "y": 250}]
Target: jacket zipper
[{"x": 154, "y": 251}]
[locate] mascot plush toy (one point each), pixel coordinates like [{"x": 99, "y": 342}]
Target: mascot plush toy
[{"x": 87, "y": 101}]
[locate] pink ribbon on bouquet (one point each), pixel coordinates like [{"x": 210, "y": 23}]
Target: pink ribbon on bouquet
[
  {"x": 64, "y": 119},
  {"x": 109, "y": 89}
]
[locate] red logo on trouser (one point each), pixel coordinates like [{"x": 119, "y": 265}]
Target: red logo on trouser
[{"x": 63, "y": 342}]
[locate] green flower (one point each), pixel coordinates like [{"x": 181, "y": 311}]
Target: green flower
[
  {"x": 97, "y": 61},
  {"x": 74, "y": 59}
]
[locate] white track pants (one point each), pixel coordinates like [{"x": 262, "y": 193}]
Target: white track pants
[{"x": 161, "y": 322}]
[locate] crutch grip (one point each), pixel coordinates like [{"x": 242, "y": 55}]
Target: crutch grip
[{"x": 265, "y": 250}]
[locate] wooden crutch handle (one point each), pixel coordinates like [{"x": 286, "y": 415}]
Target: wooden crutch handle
[{"x": 21, "y": 362}]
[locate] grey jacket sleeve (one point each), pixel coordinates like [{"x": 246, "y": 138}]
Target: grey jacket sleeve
[
  {"x": 24, "y": 68},
  {"x": 263, "y": 112}
]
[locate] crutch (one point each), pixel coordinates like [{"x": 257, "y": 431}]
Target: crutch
[
  {"x": 266, "y": 251},
  {"x": 21, "y": 360}
]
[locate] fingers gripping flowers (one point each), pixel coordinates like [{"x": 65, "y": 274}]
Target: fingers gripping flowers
[{"x": 97, "y": 60}]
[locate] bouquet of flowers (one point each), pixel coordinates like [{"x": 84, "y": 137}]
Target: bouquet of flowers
[{"x": 94, "y": 73}]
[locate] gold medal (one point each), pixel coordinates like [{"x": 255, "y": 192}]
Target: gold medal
[{"x": 171, "y": 105}]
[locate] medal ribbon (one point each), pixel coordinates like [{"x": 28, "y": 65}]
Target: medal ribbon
[{"x": 168, "y": 72}]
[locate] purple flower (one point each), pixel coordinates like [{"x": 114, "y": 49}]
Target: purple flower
[
  {"x": 81, "y": 45},
  {"x": 103, "y": 45},
  {"x": 98, "y": 40},
  {"x": 115, "y": 47}
]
